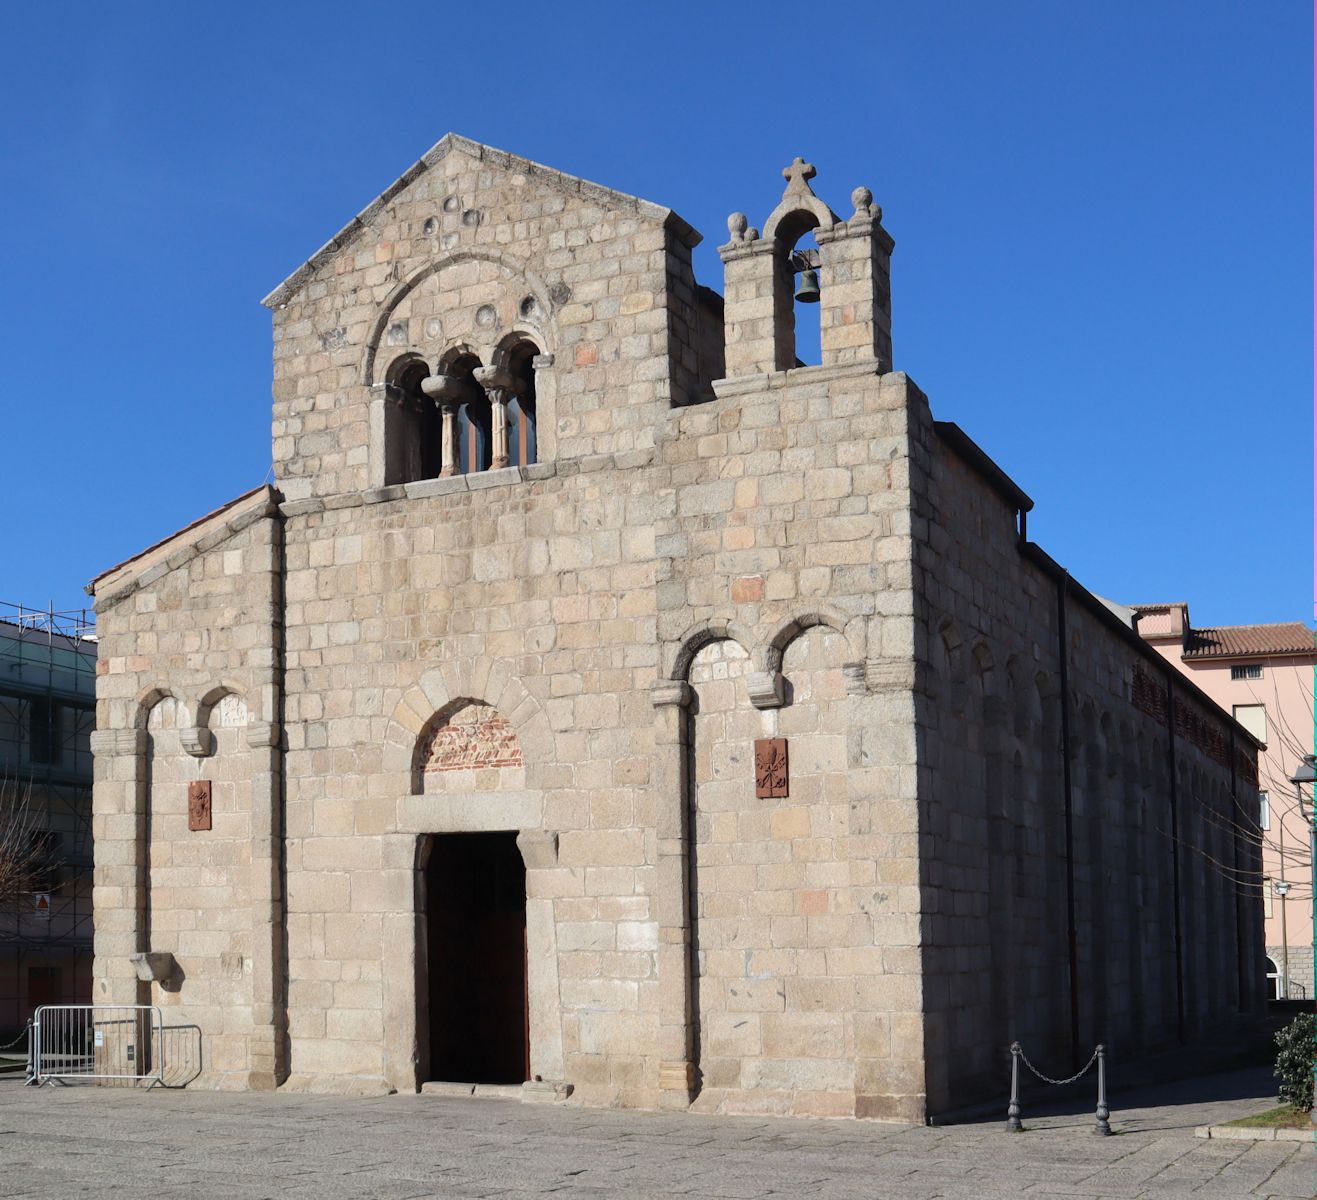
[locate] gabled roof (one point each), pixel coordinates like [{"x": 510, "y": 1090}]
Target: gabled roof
[
  {"x": 1251, "y": 641},
  {"x": 214, "y": 527},
  {"x": 477, "y": 150}
]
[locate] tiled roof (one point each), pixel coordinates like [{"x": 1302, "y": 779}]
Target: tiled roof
[{"x": 1250, "y": 641}]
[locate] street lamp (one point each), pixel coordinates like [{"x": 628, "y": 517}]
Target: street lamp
[
  {"x": 1281, "y": 888},
  {"x": 1307, "y": 773}
]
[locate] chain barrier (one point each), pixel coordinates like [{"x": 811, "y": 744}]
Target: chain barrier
[
  {"x": 27, "y": 1029},
  {"x": 1102, "y": 1126},
  {"x": 1047, "y": 1078}
]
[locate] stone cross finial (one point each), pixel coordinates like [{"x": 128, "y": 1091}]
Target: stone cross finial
[{"x": 798, "y": 175}]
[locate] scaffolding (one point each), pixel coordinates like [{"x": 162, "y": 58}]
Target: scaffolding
[{"x": 47, "y": 712}]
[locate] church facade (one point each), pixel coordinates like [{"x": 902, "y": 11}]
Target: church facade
[{"x": 603, "y": 704}]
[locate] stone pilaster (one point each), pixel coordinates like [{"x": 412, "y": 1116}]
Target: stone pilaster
[
  {"x": 395, "y": 454},
  {"x": 677, "y": 1081},
  {"x": 268, "y": 1065},
  {"x": 119, "y": 849},
  {"x": 539, "y": 852}
]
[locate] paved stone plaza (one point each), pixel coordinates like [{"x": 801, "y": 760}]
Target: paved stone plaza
[{"x": 89, "y": 1142}]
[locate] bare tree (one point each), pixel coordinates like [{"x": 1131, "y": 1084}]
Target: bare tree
[{"x": 25, "y": 855}]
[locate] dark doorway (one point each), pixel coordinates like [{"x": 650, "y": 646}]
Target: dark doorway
[{"x": 476, "y": 921}]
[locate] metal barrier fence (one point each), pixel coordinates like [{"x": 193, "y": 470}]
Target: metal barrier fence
[
  {"x": 102, "y": 1043},
  {"x": 1102, "y": 1125}
]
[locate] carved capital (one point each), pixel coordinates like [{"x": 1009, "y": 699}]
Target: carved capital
[
  {"x": 765, "y": 689},
  {"x": 107, "y": 743},
  {"x": 447, "y": 390},
  {"x": 542, "y": 362},
  {"x": 671, "y": 691},
  {"x": 889, "y": 674},
  {"x": 197, "y": 740},
  {"x": 497, "y": 380}
]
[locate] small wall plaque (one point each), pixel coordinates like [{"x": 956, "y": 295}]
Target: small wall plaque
[
  {"x": 771, "y": 775},
  {"x": 198, "y": 804}
]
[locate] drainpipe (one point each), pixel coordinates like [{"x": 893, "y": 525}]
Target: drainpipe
[{"x": 1072, "y": 933}]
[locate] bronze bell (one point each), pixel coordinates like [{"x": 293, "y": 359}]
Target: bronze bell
[{"x": 808, "y": 291}]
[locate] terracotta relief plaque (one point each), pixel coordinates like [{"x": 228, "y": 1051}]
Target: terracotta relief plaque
[
  {"x": 771, "y": 777},
  {"x": 198, "y": 804},
  {"x": 473, "y": 738}
]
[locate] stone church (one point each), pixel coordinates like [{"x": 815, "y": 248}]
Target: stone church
[{"x": 606, "y": 705}]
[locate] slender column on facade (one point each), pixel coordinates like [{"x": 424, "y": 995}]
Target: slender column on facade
[
  {"x": 448, "y": 391},
  {"x": 500, "y": 386},
  {"x": 448, "y": 412},
  {"x": 677, "y": 1066}
]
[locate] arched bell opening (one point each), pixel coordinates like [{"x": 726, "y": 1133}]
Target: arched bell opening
[{"x": 797, "y": 287}]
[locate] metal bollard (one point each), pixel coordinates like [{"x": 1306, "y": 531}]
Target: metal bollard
[
  {"x": 1103, "y": 1126},
  {"x": 1013, "y": 1124}
]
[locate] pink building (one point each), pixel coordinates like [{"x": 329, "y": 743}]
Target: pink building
[{"x": 1267, "y": 676}]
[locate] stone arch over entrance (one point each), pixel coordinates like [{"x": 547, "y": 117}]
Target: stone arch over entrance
[
  {"x": 477, "y": 680},
  {"x": 456, "y": 712}
]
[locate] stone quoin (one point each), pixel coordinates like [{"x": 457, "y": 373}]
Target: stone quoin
[{"x": 558, "y": 538}]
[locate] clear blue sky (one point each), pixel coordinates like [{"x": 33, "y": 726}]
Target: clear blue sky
[{"x": 1102, "y": 217}]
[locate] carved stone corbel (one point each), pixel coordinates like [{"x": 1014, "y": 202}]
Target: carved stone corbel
[
  {"x": 539, "y": 849},
  {"x": 765, "y": 689},
  {"x": 197, "y": 740},
  {"x": 261, "y": 734},
  {"x": 152, "y": 966}
]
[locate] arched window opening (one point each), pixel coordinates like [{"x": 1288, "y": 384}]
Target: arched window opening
[
  {"x": 521, "y": 408},
  {"x": 1274, "y": 989},
  {"x": 412, "y": 432},
  {"x": 473, "y": 420}
]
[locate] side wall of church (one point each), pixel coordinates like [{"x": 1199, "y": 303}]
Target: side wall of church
[
  {"x": 185, "y": 693},
  {"x": 992, "y": 778}
]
